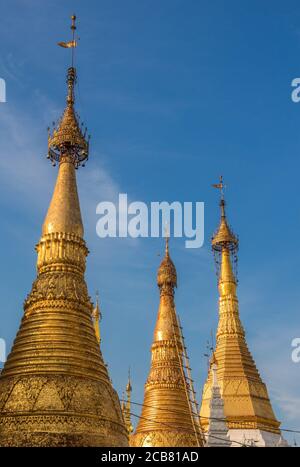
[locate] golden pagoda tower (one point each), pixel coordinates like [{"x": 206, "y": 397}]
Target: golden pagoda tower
[
  {"x": 169, "y": 414},
  {"x": 54, "y": 388},
  {"x": 126, "y": 406},
  {"x": 249, "y": 414}
]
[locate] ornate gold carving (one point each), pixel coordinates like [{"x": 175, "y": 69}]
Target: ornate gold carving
[
  {"x": 165, "y": 438},
  {"x": 59, "y": 431},
  {"x": 58, "y": 286}
]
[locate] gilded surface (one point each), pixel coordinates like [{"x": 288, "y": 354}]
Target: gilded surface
[
  {"x": 246, "y": 401},
  {"x": 166, "y": 418},
  {"x": 55, "y": 389},
  {"x": 64, "y": 214}
]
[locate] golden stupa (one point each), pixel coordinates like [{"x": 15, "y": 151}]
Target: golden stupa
[
  {"x": 247, "y": 406},
  {"x": 169, "y": 414},
  {"x": 54, "y": 388}
]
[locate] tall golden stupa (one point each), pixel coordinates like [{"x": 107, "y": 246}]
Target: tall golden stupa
[
  {"x": 55, "y": 389},
  {"x": 249, "y": 414},
  {"x": 169, "y": 414}
]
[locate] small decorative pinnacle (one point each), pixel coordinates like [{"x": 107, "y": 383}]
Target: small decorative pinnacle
[
  {"x": 97, "y": 316},
  {"x": 96, "y": 312},
  {"x": 126, "y": 406},
  {"x": 129, "y": 387}
]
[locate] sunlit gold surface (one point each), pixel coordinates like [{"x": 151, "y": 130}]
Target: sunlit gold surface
[
  {"x": 64, "y": 211},
  {"x": 55, "y": 389},
  {"x": 223, "y": 236},
  {"x": 166, "y": 417},
  {"x": 246, "y": 401},
  {"x": 68, "y": 129}
]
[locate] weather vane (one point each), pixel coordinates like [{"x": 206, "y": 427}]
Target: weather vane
[
  {"x": 220, "y": 186},
  {"x": 72, "y": 43}
]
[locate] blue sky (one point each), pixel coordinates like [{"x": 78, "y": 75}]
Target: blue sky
[{"x": 174, "y": 93}]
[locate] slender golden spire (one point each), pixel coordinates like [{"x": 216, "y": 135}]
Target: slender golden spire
[
  {"x": 128, "y": 386},
  {"x": 68, "y": 145},
  {"x": 166, "y": 418},
  {"x": 54, "y": 388},
  {"x": 126, "y": 407},
  {"x": 225, "y": 246},
  {"x": 246, "y": 402},
  {"x": 97, "y": 316}
]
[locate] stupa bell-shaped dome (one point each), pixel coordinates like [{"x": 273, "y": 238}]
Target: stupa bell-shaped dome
[{"x": 166, "y": 273}]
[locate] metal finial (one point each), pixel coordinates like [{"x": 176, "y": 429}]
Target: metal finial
[
  {"x": 73, "y": 26},
  {"x": 220, "y": 186},
  {"x": 167, "y": 237},
  {"x": 72, "y": 43},
  {"x": 128, "y": 386},
  {"x": 223, "y": 236}
]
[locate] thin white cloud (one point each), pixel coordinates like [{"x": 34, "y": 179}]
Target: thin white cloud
[{"x": 25, "y": 171}]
